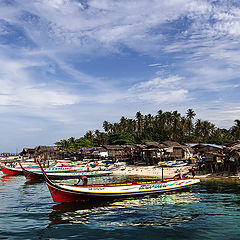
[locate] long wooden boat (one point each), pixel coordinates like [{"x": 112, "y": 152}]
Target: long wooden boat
[
  {"x": 11, "y": 170},
  {"x": 53, "y": 169},
  {"x": 33, "y": 175},
  {"x": 16, "y": 170},
  {"x": 75, "y": 193}
]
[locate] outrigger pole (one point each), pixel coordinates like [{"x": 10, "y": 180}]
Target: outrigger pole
[{"x": 162, "y": 173}]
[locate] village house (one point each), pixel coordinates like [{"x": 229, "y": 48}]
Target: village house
[
  {"x": 176, "y": 151},
  {"x": 114, "y": 151},
  {"x": 27, "y": 152},
  {"x": 152, "y": 152}
]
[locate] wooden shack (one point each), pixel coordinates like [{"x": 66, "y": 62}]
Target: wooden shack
[
  {"x": 202, "y": 148},
  {"x": 27, "y": 152},
  {"x": 114, "y": 151},
  {"x": 152, "y": 152},
  {"x": 175, "y": 151},
  {"x": 48, "y": 152}
]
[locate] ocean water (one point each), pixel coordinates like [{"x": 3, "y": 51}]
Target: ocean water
[{"x": 210, "y": 210}]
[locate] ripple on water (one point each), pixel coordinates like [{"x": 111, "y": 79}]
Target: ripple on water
[{"x": 208, "y": 211}]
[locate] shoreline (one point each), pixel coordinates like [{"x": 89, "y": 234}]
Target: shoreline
[{"x": 168, "y": 172}]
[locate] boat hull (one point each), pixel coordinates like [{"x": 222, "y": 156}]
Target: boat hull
[
  {"x": 65, "y": 175},
  {"x": 11, "y": 171},
  {"x": 76, "y": 193},
  {"x": 66, "y": 193},
  {"x": 19, "y": 170}
]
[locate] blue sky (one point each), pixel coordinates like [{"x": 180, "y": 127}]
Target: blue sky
[{"x": 68, "y": 65}]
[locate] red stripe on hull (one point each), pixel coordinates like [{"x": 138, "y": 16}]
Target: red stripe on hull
[
  {"x": 11, "y": 172},
  {"x": 62, "y": 196}
]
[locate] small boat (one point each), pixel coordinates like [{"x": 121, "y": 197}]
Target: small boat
[
  {"x": 33, "y": 175},
  {"x": 75, "y": 193},
  {"x": 57, "y": 168},
  {"x": 179, "y": 164},
  {"x": 172, "y": 164},
  {"x": 17, "y": 170},
  {"x": 11, "y": 170}
]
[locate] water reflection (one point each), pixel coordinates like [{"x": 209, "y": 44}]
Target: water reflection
[
  {"x": 129, "y": 212},
  {"x": 220, "y": 186},
  {"x": 33, "y": 182},
  {"x": 8, "y": 177}
]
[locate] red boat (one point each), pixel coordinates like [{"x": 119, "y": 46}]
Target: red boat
[
  {"x": 18, "y": 170},
  {"x": 11, "y": 170},
  {"x": 75, "y": 193}
]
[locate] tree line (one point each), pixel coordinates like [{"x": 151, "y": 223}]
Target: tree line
[{"x": 164, "y": 126}]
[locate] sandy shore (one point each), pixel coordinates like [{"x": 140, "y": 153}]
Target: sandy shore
[
  {"x": 169, "y": 172},
  {"x": 151, "y": 171}
]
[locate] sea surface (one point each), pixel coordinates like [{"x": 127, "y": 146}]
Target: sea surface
[{"x": 210, "y": 210}]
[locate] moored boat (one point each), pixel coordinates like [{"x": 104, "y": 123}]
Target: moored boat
[
  {"x": 172, "y": 164},
  {"x": 11, "y": 170},
  {"x": 75, "y": 193},
  {"x": 52, "y": 169},
  {"x": 59, "y": 169},
  {"x": 33, "y": 175}
]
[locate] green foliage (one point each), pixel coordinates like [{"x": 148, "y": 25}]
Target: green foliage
[
  {"x": 120, "y": 139},
  {"x": 74, "y": 144},
  {"x": 84, "y": 142},
  {"x": 162, "y": 127}
]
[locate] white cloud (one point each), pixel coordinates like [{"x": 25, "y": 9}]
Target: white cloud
[
  {"x": 159, "y": 90},
  {"x": 43, "y": 44},
  {"x": 154, "y": 65},
  {"x": 19, "y": 88}
]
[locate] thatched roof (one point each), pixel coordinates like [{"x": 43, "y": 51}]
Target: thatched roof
[
  {"x": 99, "y": 149},
  {"x": 113, "y": 147},
  {"x": 154, "y": 145},
  {"x": 45, "y": 148},
  {"x": 128, "y": 146},
  {"x": 172, "y": 144}
]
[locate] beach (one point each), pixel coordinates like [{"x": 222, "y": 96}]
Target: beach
[
  {"x": 168, "y": 172},
  {"x": 151, "y": 171}
]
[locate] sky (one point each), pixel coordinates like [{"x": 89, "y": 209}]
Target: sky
[{"x": 68, "y": 65}]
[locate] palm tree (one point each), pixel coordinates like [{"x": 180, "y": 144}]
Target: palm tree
[
  {"x": 176, "y": 117},
  {"x": 204, "y": 130},
  {"x": 207, "y": 130},
  {"x": 139, "y": 118},
  {"x": 106, "y": 126},
  {"x": 100, "y": 137},
  {"x": 89, "y": 135},
  {"x": 62, "y": 144},
  {"x": 123, "y": 124},
  {"x": 235, "y": 130},
  {"x": 131, "y": 126},
  {"x": 148, "y": 120},
  {"x": 72, "y": 143},
  {"x": 190, "y": 116},
  {"x": 198, "y": 130},
  {"x": 190, "y": 113}
]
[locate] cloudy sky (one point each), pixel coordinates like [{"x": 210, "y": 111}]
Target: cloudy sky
[{"x": 68, "y": 65}]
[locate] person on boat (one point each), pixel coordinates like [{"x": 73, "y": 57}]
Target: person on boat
[
  {"x": 85, "y": 180},
  {"x": 180, "y": 176},
  {"x": 193, "y": 172}
]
